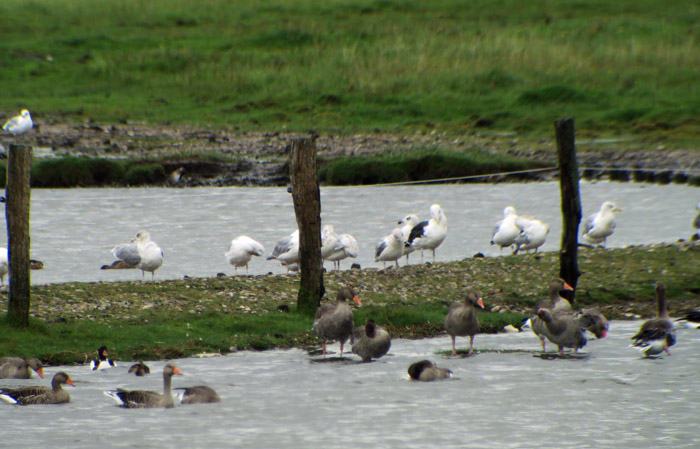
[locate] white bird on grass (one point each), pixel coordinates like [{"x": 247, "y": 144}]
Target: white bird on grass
[
  {"x": 142, "y": 253},
  {"x": 241, "y": 250},
  {"x": 19, "y": 124}
]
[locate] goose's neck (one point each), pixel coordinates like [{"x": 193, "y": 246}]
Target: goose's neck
[{"x": 661, "y": 304}]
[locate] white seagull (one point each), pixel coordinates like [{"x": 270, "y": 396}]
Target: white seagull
[
  {"x": 506, "y": 230},
  {"x": 241, "y": 250},
  {"x": 286, "y": 250},
  {"x": 429, "y": 234},
  {"x": 390, "y": 248},
  {"x": 532, "y": 235},
  {"x": 142, "y": 253},
  {"x": 329, "y": 240},
  {"x": 19, "y": 124},
  {"x": 407, "y": 224},
  {"x": 347, "y": 246},
  {"x": 599, "y": 226}
]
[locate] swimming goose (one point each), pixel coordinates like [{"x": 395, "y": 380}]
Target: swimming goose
[
  {"x": 506, "y": 230},
  {"x": 241, "y": 250},
  {"x": 334, "y": 321},
  {"x": 390, "y": 248},
  {"x": 407, "y": 224},
  {"x": 563, "y": 330},
  {"x": 31, "y": 395},
  {"x": 533, "y": 234},
  {"x": 599, "y": 226},
  {"x": 139, "y": 369},
  {"x": 347, "y": 246},
  {"x": 556, "y": 304},
  {"x": 142, "y": 253},
  {"x": 286, "y": 250},
  {"x": 19, "y": 124},
  {"x": 370, "y": 341},
  {"x": 147, "y": 399},
  {"x": 426, "y": 371},
  {"x": 656, "y": 335},
  {"x": 200, "y": 394},
  {"x": 462, "y": 320},
  {"x": 102, "y": 362},
  {"x": 429, "y": 234},
  {"x": 18, "y": 368}
]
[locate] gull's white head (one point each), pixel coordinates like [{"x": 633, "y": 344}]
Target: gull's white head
[
  {"x": 508, "y": 211},
  {"x": 437, "y": 213},
  {"x": 610, "y": 206},
  {"x": 142, "y": 236}
]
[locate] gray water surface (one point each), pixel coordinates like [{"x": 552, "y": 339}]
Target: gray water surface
[
  {"x": 288, "y": 399},
  {"x": 73, "y": 230}
]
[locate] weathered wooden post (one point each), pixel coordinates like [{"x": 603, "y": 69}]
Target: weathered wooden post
[
  {"x": 18, "y": 194},
  {"x": 570, "y": 201},
  {"x": 307, "y": 208}
]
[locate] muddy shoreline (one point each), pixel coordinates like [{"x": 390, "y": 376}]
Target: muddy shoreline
[{"x": 260, "y": 159}]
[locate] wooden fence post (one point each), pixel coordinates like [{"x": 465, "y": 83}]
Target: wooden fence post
[
  {"x": 307, "y": 208},
  {"x": 570, "y": 201},
  {"x": 18, "y": 195}
]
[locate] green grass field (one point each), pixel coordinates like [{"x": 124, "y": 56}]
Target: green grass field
[{"x": 620, "y": 68}]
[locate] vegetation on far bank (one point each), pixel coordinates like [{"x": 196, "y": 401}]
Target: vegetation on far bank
[
  {"x": 170, "y": 319},
  {"x": 357, "y": 66}
]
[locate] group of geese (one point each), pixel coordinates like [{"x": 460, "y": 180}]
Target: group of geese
[{"x": 18, "y": 368}]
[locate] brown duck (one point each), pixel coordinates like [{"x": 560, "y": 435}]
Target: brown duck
[
  {"x": 31, "y": 395},
  {"x": 334, "y": 321},
  {"x": 148, "y": 399}
]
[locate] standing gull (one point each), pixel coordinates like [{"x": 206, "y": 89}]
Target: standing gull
[
  {"x": 241, "y": 250},
  {"x": 390, "y": 248},
  {"x": 286, "y": 250},
  {"x": 533, "y": 234},
  {"x": 347, "y": 246},
  {"x": 429, "y": 234},
  {"x": 19, "y": 124},
  {"x": 599, "y": 226},
  {"x": 142, "y": 253},
  {"x": 329, "y": 241},
  {"x": 506, "y": 230},
  {"x": 407, "y": 224}
]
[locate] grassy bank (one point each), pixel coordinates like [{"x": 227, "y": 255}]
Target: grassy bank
[
  {"x": 170, "y": 319},
  {"x": 348, "y": 66}
]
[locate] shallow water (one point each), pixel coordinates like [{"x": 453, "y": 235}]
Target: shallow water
[
  {"x": 285, "y": 398},
  {"x": 73, "y": 230}
]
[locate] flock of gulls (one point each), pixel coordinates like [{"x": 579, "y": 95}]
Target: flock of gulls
[{"x": 554, "y": 321}]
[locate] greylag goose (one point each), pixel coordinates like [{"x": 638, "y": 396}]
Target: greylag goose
[
  {"x": 241, "y": 250},
  {"x": 148, "y": 399},
  {"x": 656, "y": 335},
  {"x": 142, "y": 253},
  {"x": 31, "y": 395},
  {"x": 593, "y": 321},
  {"x": 462, "y": 320},
  {"x": 407, "y": 224},
  {"x": 139, "y": 369},
  {"x": 599, "y": 226},
  {"x": 102, "y": 361},
  {"x": 556, "y": 304},
  {"x": 18, "y": 368},
  {"x": 390, "y": 248},
  {"x": 334, "y": 321},
  {"x": 691, "y": 320},
  {"x": 429, "y": 234},
  {"x": 370, "y": 341},
  {"x": 425, "y": 371},
  {"x": 563, "y": 330},
  {"x": 200, "y": 394},
  {"x": 506, "y": 230}
]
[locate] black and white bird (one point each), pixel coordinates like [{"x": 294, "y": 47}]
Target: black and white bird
[
  {"x": 428, "y": 235},
  {"x": 407, "y": 224}
]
